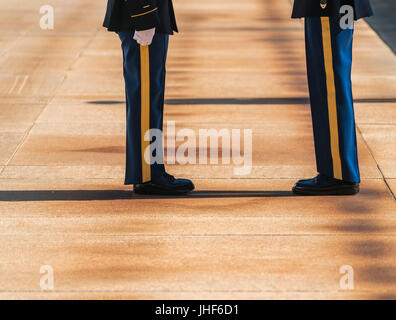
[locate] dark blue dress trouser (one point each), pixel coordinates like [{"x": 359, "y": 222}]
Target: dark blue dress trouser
[
  {"x": 329, "y": 63},
  {"x": 144, "y": 74}
]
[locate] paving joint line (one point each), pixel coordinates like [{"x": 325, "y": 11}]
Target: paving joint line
[
  {"x": 29, "y": 129},
  {"x": 376, "y": 162}
]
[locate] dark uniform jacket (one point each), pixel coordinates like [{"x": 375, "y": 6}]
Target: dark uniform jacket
[
  {"x": 326, "y": 8},
  {"x": 130, "y": 15}
]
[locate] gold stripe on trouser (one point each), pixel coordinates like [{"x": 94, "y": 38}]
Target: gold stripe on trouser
[
  {"x": 145, "y": 108},
  {"x": 331, "y": 98}
]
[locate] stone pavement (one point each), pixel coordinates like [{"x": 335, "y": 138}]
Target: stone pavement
[{"x": 234, "y": 65}]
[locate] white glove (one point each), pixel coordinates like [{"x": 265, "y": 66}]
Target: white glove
[{"x": 145, "y": 37}]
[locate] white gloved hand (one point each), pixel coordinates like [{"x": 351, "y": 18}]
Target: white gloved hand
[{"x": 145, "y": 37}]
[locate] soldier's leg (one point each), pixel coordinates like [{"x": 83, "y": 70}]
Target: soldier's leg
[
  {"x": 157, "y": 56},
  {"x": 144, "y": 73},
  {"x": 329, "y": 62}
]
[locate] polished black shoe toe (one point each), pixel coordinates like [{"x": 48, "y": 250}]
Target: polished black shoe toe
[
  {"x": 323, "y": 185},
  {"x": 165, "y": 185}
]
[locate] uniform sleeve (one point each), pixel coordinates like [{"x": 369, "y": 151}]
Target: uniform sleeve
[{"x": 144, "y": 13}]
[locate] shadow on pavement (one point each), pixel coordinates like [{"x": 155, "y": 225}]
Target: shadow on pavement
[
  {"x": 368, "y": 242},
  {"x": 383, "y": 21},
  {"x": 91, "y": 195}
]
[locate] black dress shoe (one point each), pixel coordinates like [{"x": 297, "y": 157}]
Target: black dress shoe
[
  {"x": 323, "y": 185},
  {"x": 165, "y": 185}
]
